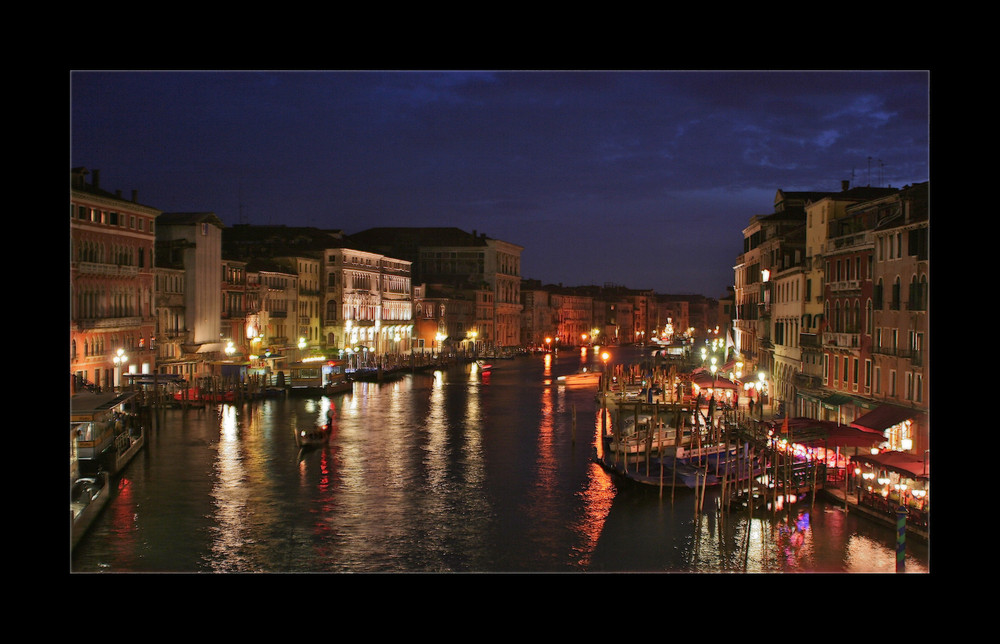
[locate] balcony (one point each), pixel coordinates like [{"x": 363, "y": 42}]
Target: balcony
[
  {"x": 109, "y": 323},
  {"x": 844, "y": 285},
  {"x": 106, "y": 270},
  {"x": 855, "y": 240},
  {"x": 843, "y": 340}
]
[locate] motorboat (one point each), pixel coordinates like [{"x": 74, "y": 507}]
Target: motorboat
[{"x": 581, "y": 379}]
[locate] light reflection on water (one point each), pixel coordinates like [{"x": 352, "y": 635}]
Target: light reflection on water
[{"x": 452, "y": 471}]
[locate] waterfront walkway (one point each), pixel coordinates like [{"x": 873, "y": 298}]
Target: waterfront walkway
[{"x": 849, "y": 501}]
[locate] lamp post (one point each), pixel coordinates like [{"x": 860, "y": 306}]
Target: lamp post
[
  {"x": 120, "y": 358},
  {"x": 760, "y": 393},
  {"x": 604, "y": 378}
]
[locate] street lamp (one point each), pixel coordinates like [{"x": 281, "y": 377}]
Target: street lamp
[
  {"x": 119, "y": 359},
  {"x": 760, "y": 393}
]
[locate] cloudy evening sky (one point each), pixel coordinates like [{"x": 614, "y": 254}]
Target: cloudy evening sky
[{"x": 644, "y": 179}]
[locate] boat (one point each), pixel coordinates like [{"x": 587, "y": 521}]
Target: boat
[
  {"x": 581, "y": 379},
  {"x": 105, "y": 432},
  {"x": 88, "y": 496},
  {"x": 317, "y": 437},
  {"x": 319, "y": 377},
  {"x": 484, "y": 366},
  {"x": 195, "y": 395}
]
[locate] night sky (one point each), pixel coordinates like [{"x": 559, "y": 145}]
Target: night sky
[{"x": 643, "y": 179}]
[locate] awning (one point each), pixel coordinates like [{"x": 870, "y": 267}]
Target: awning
[
  {"x": 834, "y": 401},
  {"x": 909, "y": 465},
  {"x": 884, "y": 417},
  {"x": 705, "y": 381},
  {"x": 825, "y": 433}
]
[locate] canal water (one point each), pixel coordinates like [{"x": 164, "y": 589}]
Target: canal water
[{"x": 452, "y": 471}]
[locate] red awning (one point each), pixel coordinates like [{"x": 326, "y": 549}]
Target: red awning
[
  {"x": 903, "y": 463},
  {"x": 705, "y": 381},
  {"x": 825, "y": 433},
  {"x": 885, "y": 416}
]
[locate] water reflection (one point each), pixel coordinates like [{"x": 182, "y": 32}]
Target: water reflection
[
  {"x": 231, "y": 496},
  {"x": 448, "y": 471}
]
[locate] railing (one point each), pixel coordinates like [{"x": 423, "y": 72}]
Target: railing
[
  {"x": 107, "y": 323},
  {"x": 96, "y": 268},
  {"x": 850, "y": 340},
  {"x": 845, "y": 285},
  {"x": 914, "y": 516}
]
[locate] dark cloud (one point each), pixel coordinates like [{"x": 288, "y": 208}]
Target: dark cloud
[{"x": 621, "y": 165}]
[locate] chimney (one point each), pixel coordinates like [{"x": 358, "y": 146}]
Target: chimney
[
  {"x": 844, "y": 185},
  {"x": 96, "y": 178},
  {"x": 135, "y": 195}
]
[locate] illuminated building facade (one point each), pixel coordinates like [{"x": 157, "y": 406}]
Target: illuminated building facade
[{"x": 112, "y": 315}]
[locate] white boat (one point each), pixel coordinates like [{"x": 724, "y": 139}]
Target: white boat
[
  {"x": 88, "y": 496},
  {"x": 582, "y": 379},
  {"x": 637, "y": 443}
]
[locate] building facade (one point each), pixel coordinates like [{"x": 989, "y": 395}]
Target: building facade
[
  {"x": 112, "y": 308},
  {"x": 901, "y": 299}
]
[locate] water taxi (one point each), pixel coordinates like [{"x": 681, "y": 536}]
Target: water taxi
[
  {"x": 581, "y": 379},
  {"x": 321, "y": 377},
  {"x": 105, "y": 432}
]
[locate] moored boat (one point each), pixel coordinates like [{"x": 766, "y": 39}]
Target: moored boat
[
  {"x": 195, "y": 395},
  {"x": 88, "y": 496},
  {"x": 105, "y": 432},
  {"x": 319, "y": 377}
]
